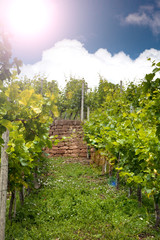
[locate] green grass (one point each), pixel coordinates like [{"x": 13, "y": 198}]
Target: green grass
[{"x": 75, "y": 202}]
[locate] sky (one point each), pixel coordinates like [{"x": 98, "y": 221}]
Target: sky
[{"x": 84, "y": 38}]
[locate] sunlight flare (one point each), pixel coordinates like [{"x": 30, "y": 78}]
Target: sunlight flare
[{"x": 28, "y": 17}]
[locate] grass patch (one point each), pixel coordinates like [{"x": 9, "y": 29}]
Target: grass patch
[{"x": 75, "y": 202}]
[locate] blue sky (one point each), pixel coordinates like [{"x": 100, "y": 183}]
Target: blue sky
[
  {"x": 101, "y": 24},
  {"x": 126, "y": 30}
]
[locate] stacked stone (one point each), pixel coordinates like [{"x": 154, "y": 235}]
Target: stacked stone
[{"x": 73, "y": 145}]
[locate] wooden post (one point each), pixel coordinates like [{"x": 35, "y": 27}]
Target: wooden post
[
  {"x": 82, "y": 102},
  {"x": 3, "y": 184},
  {"x": 121, "y": 90},
  {"x": 42, "y": 87},
  {"x": 88, "y": 113}
]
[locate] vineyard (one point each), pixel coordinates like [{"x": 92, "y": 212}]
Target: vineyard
[
  {"x": 76, "y": 202},
  {"x": 126, "y": 132},
  {"x": 122, "y": 131}
]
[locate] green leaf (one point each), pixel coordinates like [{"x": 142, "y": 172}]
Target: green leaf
[
  {"x": 137, "y": 179},
  {"x": 155, "y": 70},
  {"x": 36, "y": 110},
  {"x": 6, "y": 123},
  {"x": 150, "y": 76},
  {"x": 25, "y": 96},
  {"x": 23, "y": 162}
]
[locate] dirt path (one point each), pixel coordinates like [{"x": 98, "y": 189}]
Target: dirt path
[{"x": 84, "y": 161}]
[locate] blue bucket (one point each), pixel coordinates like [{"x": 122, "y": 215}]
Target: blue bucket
[{"x": 112, "y": 181}]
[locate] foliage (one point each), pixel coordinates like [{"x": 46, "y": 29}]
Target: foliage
[
  {"x": 69, "y": 98},
  {"x": 128, "y": 126},
  {"x": 6, "y": 64},
  {"x": 40, "y": 85},
  {"x": 69, "y": 102},
  {"x": 27, "y": 115},
  {"x": 97, "y": 96}
]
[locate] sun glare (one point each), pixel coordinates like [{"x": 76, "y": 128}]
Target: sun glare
[{"x": 28, "y": 17}]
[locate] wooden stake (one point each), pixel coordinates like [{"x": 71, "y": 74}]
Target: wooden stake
[
  {"x": 82, "y": 102},
  {"x": 3, "y": 184}
]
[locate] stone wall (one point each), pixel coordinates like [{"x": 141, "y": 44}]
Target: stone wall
[{"x": 73, "y": 145}]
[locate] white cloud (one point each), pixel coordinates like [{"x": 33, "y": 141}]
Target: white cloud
[
  {"x": 147, "y": 15},
  {"x": 138, "y": 19},
  {"x": 69, "y": 58}
]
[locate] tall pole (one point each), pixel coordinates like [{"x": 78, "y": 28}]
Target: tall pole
[
  {"x": 88, "y": 112},
  {"x": 82, "y": 102},
  {"x": 121, "y": 90},
  {"x": 3, "y": 184}
]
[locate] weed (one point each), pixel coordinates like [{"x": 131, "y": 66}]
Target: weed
[{"x": 74, "y": 203}]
